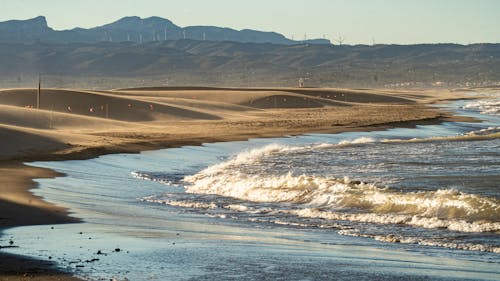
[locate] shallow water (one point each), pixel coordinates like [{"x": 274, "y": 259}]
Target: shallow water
[{"x": 412, "y": 204}]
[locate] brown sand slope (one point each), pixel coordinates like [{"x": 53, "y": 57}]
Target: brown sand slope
[
  {"x": 344, "y": 95},
  {"x": 18, "y": 142},
  {"x": 119, "y": 118},
  {"x": 97, "y": 105}
]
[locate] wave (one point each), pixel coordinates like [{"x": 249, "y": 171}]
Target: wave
[
  {"x": 335, "y": 199},
  {"x": 252, "y": 156},
  {"x": 395, "y": 238},
  {"x": 481, "y": 134},
  {"x": 245, "y": 183},
  {"x": 490, "y": 131},
  {"x": 343, "y": 229},
  {"x": 360, "y": 140},
  {"x": 488, "y": 107},
  {"x": 343, "y": 199}
]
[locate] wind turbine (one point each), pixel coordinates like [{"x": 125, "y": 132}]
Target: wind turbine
[{"x": 340, "y": 40}]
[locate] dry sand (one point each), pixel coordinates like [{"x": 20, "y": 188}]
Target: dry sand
[{"x": 75, "y": 124}]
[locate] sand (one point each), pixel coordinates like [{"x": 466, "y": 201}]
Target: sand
[{"x": 79, "y": 124}]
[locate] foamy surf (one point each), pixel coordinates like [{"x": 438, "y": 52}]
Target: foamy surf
[
  {"x": 332, "y": 199},
  {"x": 488, "y": 107},
  {"x": 282, "y": 217},
  {"x": 395, "y": 238}
]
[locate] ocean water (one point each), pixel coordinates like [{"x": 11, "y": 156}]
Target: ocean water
[{"x": 408, "y": 204}]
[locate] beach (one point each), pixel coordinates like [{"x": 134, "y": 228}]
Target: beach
[{"x": 79, "y": 124}]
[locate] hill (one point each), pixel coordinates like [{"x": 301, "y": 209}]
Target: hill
[
  {"x": 133, "y": 29},
  {"x": 221, "y": 63}
]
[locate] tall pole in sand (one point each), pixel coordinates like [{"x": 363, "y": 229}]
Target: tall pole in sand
[{"x": 38, "y": 92}]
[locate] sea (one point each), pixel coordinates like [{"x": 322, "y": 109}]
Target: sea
[{"x": 418, "y": 203}]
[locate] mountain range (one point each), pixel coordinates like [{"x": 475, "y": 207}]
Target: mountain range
[
  {"x": 153, "y": 51},
  {"x": 216, "y": 63},
  {"x": 134, "y": 29}
]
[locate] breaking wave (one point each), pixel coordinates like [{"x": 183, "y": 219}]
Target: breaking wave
[
  {"x": 488, "y": 107},
  {"x": 341, "y": 199},
  {"x": 246, "y": 185}
]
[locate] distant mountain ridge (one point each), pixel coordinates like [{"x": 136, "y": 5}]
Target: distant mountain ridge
[
  {"x": 195, "y": 62},
  {"x": 135, "y": 29}
]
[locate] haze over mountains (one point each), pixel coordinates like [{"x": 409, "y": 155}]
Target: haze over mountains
[
  {"x": 114, "y": 56},
  {"x": 134, "y": 29}
]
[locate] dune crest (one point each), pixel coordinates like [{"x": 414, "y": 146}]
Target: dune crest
[{"x": 89, "y": 123}]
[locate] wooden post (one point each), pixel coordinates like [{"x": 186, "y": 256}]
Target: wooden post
[
  {"x": 51, "y": 117},
  {"x": 38, "y": 92},
  {"x": 107, "y": 111}
]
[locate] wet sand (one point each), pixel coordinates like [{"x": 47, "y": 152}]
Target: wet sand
[{"x": 77, "y": 124}]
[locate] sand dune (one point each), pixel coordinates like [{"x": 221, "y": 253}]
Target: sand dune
[
  {"x": 75, "y": 120},
  {"x": 97, "y": 105},
  {"x": 45, "y": 119},
  {"x": 238, "y": 95},
  {"x": 15, "y": 143}
]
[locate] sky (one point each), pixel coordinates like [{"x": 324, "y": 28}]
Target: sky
[{"x": 354, "y": 21}]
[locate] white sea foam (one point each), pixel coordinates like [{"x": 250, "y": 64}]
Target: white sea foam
[
  {"x": 482, "y": 134},
  {"x": 486, "y": 131},
  {"x": 395, "y": 238},
  {"x": 182, "y": 203},
  {"x": 360, "y": 140},
  {"x": 489, "y": 107},
  {"x": 357, "y": 141},
  {"x": 461, "y": 225}
]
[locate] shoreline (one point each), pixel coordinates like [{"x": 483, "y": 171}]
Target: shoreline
[
  {"x": 33, "y": 210},
  {"x": 23, "y": 175}
]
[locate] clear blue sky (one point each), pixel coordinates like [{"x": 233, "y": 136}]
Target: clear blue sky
[{"x": 358, "y": 21}]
